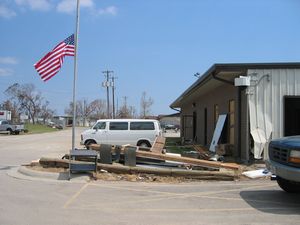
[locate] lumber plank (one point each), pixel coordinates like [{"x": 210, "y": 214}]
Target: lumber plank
[
  {"x": 158, "y": 144},
  {"x": 200, "y": 162},
  {"x": 117, "y": 168}
]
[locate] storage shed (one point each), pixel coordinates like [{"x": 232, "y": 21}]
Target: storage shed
[{"x": 261, "y": 101}]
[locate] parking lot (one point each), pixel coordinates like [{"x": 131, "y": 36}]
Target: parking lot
[{"x": 26, "y": 200}]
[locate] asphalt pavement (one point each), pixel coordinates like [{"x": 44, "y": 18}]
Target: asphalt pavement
[{"x": 41, "y": 200}]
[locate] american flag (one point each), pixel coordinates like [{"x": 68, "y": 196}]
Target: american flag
[{"x": 51, "y": 63}]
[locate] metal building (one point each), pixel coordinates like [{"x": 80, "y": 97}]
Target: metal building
[{"x": 260, "y": 100}]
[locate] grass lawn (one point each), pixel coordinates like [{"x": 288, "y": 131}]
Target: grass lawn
[
  {"x": 173, "y": 145},
  {"x": 38, "y": 128}
]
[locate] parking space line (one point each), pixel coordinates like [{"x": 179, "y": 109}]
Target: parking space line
[
  {"x": 172, "y": 195},
  {"x": 114, "y": 209},
  {"x": 75, "y": 196},
  {"x": 193, "y": 194}
]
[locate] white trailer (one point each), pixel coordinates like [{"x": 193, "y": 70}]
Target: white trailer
[{"x": 5, "y": 115}]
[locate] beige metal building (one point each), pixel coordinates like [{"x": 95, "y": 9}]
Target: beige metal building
[{"x": 261, "y": 101}]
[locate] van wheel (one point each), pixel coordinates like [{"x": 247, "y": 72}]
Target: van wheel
[
  {"x": 144, "y": 144},
  {"x": 288, "y": 186},
  {"x": 88, "y": 143}
]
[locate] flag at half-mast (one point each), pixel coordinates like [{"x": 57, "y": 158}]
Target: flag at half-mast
[{"x": 51, "y": 63}]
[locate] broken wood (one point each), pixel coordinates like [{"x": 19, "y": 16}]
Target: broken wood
[
  {"x": 204, "y": 163},
  {"x": 203, "y": 153},
  {"x": 120, "y": 169},
  {"x": 158, "y": 144}
]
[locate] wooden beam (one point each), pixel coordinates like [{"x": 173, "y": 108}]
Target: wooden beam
[
  {"x": 118, "y": 168},
  {"x": 199, "y": 162}
]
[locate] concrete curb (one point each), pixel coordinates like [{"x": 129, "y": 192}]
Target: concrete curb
[{"x": 24, "y": 173}]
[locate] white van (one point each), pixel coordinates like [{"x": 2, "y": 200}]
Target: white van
[{"x": 139, "y": 132}]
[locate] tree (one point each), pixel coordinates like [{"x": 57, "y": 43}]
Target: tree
[
  {"x": 99, "y": 107},
  {"x": 28, "y": 98},
  {"x": 86, "y": 110},
  {"x": 69, "y": 109},
  {"x": 145, "y": 105},
  {"x": 46, "y": 112},
  {"x": 126, "y": 111}
]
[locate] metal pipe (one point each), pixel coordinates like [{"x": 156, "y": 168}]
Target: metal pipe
[{"x": 74, "y": 82}]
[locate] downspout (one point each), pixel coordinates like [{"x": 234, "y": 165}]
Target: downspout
[{"x": 181, "y": 122}]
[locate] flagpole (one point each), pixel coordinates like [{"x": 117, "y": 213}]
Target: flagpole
[{"x": 74, "y": 83}]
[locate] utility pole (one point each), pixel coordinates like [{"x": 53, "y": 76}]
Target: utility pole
[
  {"x": 113, "y": 95},
  {"x": 125, "y": 105},
  {"x": 107, "y": 85}
]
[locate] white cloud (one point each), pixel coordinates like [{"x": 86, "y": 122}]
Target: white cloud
[
  {"x": 110, "y": 10},
  {"x": 6, "y": 12},
  {"x": 8, "y": 60},
  {"x": 69, "y": 6},
  {"x": 6, "y": 72},
  {"x": 40, "y": 5}
]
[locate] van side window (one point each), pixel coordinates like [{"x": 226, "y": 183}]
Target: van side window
[
  {"x": 118, "y": 125},
  {"x": 100, "y": 126},
  {"x": 141, "y": 126}
]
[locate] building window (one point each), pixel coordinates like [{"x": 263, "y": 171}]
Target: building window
[
  {"x": 231, "y": 121},
  {"x": 216, "y": 114}
]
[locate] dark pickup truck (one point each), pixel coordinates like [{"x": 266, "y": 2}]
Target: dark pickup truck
[{"x": 284, "y": 162}]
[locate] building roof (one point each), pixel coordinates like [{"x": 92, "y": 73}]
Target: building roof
[{"x": 226, "y": 73}]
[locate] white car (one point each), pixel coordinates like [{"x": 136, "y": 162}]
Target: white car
[{"x": 138, "y": 132}]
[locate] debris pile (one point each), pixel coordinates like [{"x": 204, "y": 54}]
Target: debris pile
[{"x": 140, "y": 161}]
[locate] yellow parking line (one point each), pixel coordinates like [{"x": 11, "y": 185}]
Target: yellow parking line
[{"x": 75, "y": 196}]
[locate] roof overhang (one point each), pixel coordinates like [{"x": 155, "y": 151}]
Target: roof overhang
[{"x": 218, "y": 74}]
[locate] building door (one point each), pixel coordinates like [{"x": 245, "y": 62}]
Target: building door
[
  {"x": 187, "y": 127},
  {"x": 291, "y": 115}
]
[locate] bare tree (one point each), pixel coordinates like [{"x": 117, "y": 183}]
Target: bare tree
[
  {"x": 69, "y": 109},
  {"x": 99, "y": 107},
  {"x": 126, "y": 111},
  {"x": 46, "y": 112},
  {"x": 146, "y": 104},
  {"x": 86, "y": 110},
  {"x": 29, "y": 99}
]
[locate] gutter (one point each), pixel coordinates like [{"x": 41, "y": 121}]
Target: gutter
[
  {"x": 222, "y": 80},
  {"x": 175, "y": 109}
]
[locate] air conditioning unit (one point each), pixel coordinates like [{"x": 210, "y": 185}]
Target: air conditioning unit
[{"x": 242, "y": 81}]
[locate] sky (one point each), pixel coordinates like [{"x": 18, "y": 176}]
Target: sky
[{"x": 153, "y": 46}]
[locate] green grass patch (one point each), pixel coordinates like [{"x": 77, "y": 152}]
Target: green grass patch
[
  {"x": 38, "y": 128},
  {"x": 173, "y": 145}
]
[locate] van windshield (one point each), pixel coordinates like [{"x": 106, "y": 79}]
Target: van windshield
[{"x": 99, "y": 126}]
